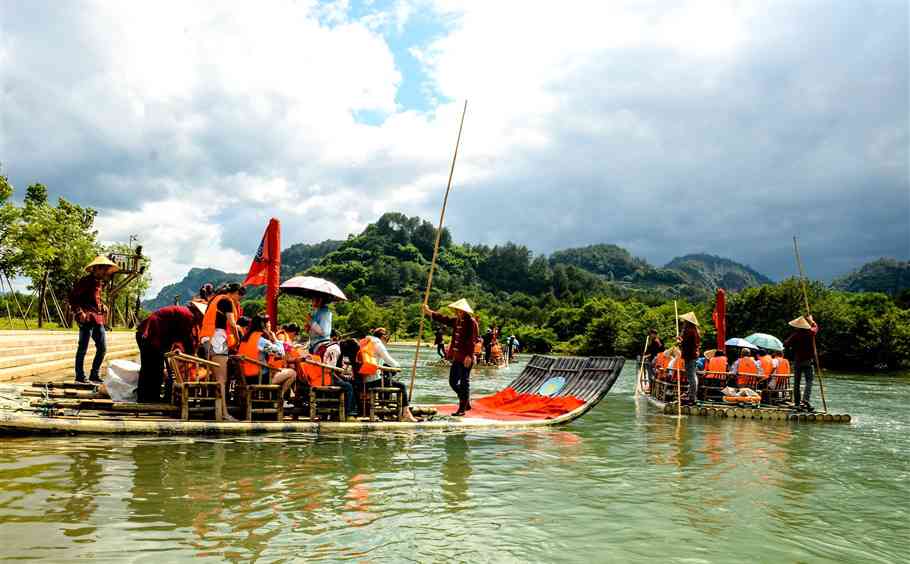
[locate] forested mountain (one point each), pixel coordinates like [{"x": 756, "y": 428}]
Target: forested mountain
[
  {"x": 883, "y": 275},
  {"x": 711, "y": 271}
]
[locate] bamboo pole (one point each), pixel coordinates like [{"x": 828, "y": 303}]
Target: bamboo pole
[
  {"x": 641, "y": 366},
  {"x": 442, "y": 215},
  {"x": 802, "y": 277},
  {"x": 678, "y": 373}
]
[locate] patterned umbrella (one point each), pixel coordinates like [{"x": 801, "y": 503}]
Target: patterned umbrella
[
  {"x": 310, "y": 287},
  {"x": 765, "y": 341}
]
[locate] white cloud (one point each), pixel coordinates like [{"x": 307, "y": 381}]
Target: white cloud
[{"x": 192, "y": 124}]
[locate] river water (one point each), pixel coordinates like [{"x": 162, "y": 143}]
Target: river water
[{"x": 622, "y": 484}]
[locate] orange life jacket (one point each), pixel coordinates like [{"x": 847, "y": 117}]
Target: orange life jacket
[
  {"x": 314, "y": 375},
  {"x": 783, "y": 367},
  {"x": 678, "y": 371},
  {"x": 250, "y": 349},
  {"x": 661, "y": 361},
  {"x": 208, "y": 321},
  {"x": 716, "y": 364},
  {"x": 766, "y": 366},
  {"x": 366, "y": 357},
  {"x": 746, "y": 372}
]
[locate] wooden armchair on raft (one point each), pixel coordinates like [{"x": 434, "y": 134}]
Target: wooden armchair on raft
[
  {"x": 314, "y": 392},
  {"x": 665, "y": 384},
  {"x": 382, "y": 403},
  {"x": 779, "y": 390},
  {"x": 194, "y": 389},
  {"x": 255, "y": 393}
]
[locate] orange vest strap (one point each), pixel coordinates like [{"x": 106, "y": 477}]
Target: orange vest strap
[
  {"x": 367, "y": 357},
  {"x": 250, "y": 349}
]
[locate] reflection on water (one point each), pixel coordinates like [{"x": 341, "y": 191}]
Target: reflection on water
[{"x": 622, "y": 484}]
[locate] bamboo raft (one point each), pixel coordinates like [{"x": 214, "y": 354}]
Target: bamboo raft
[
  {"x": 762, "y": 412},
  {"x": 73, "y": 409}
]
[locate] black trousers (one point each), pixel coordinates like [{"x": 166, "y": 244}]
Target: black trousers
[
  {"x": 460, "y": 380},
  {"x": 150, "y": 373},
  {"x": 390, "y": 384}
]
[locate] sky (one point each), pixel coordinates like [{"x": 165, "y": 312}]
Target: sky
[{"x": 667, "y": 128}]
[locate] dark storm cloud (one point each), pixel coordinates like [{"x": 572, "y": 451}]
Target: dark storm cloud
[{"x": 805, "y": 134}]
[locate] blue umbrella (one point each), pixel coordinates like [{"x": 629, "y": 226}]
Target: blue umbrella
[
  {"x": 765, "y": 341},
  {"x": 740, "y": 343}
]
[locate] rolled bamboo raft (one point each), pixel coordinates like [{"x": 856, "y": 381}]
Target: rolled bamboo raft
[{"x": 578, "y": 382}]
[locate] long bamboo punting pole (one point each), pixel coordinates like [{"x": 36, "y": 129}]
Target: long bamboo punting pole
[
  {"x": 442, "y": 216},
  {"x": 678, "y": 373},
  {"x": 802, "y": 277}
]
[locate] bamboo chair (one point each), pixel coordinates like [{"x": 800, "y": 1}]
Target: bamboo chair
[
  {"x": 779, "y": 390},
  {"x": 195, "y": 389},
  {"x": 326, "y": 402},
  {"x": 711, "y": 384},
  {"x": 256, "y": 394},
  {"x": 385, "y": 402}
]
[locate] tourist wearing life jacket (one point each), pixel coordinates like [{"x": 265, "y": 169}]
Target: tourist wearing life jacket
[
  {"x": 766, "y": 363},
  {"x": 802, "y": 342},
  {"x": 465, "y": 335},
  {"x": 661, "y": 364},
  {"x": 257, "y": 344},
  {"x": 334, "y": 351},
  {"x": 689, "y": 344},
  {"x": 716, "y": 366},
  {"x": 220, "y": 331},
  {"x": 746, "y": 370},
  {"x": 373, "y": 352}
]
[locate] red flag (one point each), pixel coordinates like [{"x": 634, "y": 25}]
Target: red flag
[
  {"x": 720, "y": 318},
  {"x": 266, "y": 268}
]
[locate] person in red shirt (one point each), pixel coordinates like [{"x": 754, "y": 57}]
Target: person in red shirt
[
  {"x": 465, "y": 336},
  {"x": 89, "y": 312},
  {"x": 165, "y": 329},
  {"x": 690, "y": 344},
  {"x": 802, "y": 341}
]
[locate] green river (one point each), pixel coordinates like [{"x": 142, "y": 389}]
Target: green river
[{"x": 622, "y": 484}]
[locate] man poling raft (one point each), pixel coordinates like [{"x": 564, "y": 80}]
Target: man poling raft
[
  {"x": 802, "y": 341},
  {"x": 89, "y": 312},
  {"x": 465, "y": 335},
  {"x": 689, "y": 344}
]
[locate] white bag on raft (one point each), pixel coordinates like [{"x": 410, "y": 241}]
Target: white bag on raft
[{"x": 121, "y": 380}]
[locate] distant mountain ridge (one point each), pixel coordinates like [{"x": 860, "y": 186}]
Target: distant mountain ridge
[
  {"x": 710, "y": 271},
  {"x": 296, "y": 258},
  {"x": 883, "y": 275}
]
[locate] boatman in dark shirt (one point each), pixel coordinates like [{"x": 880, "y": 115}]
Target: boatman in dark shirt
[
  {"x": 802, "y": 341},
  {"x": 655, "y": 346},
  {"x": 89, "y": 311},
  {"x": 157, "y": 335},
  {"x": 465, "y": 335},
  {"x": 690, "y": 345}
]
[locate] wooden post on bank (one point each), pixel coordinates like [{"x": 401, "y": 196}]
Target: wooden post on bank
[{"x": 442, "y": 215}]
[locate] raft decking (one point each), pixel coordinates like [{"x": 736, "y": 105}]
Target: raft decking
[
  {"x": 587, "y": 378},
  {"x": 762, "y": 412}
]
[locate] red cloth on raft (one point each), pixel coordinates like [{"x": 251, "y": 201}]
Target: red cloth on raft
[{"x": 509, "y": 405}]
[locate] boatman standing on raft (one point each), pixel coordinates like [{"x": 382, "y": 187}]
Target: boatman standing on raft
[
  {"x": 802, "y": 341},
  {"x": 689, "y": 344},
  {"x": 89, "y": 312},
  {"x": 465, "y": 335}
]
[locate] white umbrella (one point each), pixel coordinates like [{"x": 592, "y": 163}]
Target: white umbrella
[
  {"x": 740, "y": 343},
  {"x": 310, "y": 287}
]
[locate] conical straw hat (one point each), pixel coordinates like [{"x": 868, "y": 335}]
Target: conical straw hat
[
  {"x": 461, "y": 305},
  {"x": 800, "y": 323},
  {"x": 102, "y": 260},
  {"x": 709, "y": 354},
  {"x": 201, "y": 306},
  {"x": 690, "y": 317}
]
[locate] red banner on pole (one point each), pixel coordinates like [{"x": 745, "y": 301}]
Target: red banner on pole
[
  {"x": 266, "y": 269},
  {"x": 720, "y": 318}
]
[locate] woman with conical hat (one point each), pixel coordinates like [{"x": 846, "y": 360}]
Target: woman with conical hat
[
  {"x": 465, "y": 335},
  {"x": 689, "y": 344},
  {"x": 89, "y": 313},
  {"x": 802, "y": 341}
]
